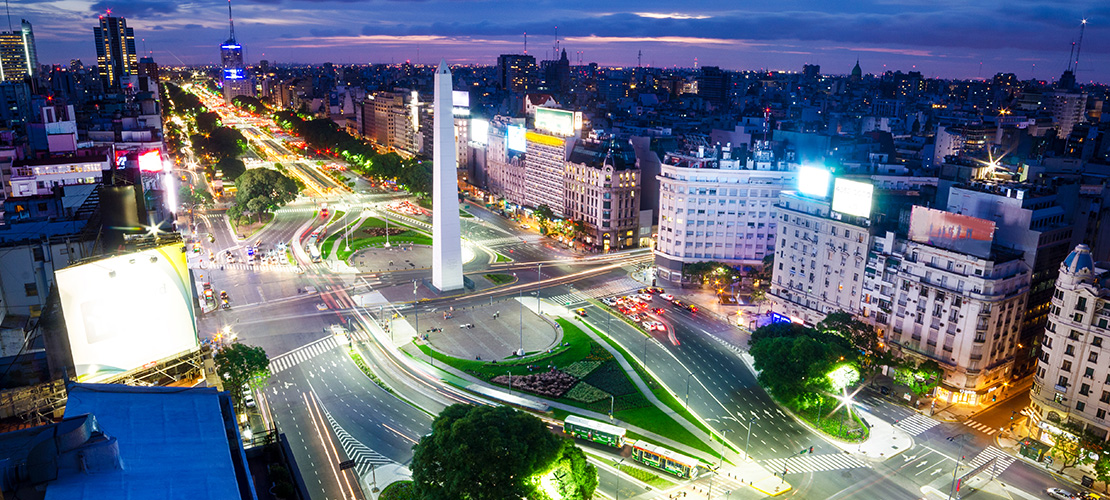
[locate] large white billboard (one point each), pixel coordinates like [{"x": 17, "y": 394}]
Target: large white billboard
[
  {"x": 555, "y": 121},
  {"x": 853, "y": 198},
  {"x": 479, "y": 131},
  {"x": 814, "y": 181},
  {"x": 514, "y": 140},
  {"x": 127, "y": 311},
  {"x": 460, "y": 98}
]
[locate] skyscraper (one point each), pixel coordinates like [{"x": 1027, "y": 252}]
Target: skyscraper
[
  {"x": 18, "y": 58},
  {"x": 115, "y": 53},
  {"x": 516, "y": 72},
  {"x": 235, "y": 80}
]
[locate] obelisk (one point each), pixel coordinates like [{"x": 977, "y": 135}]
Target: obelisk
[{"x": 447, "y": 273}]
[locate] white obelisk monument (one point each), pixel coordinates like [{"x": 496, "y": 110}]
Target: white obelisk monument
[{"x": 447, "y": 272}]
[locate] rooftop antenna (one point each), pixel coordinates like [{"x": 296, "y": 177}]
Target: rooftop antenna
[
  {"x": 525, "y": 41},
  {"x": 1079, "y": 47},
  {"x": 639, "y": 58},
  {"x": 230, "y": 21},
  {"x": 556, "y": 56},
  {"x": 1071, "y": 55},
  {"x": 8, "y": 9}
]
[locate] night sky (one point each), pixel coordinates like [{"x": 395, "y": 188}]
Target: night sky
[{"x": 940, "y": 38}]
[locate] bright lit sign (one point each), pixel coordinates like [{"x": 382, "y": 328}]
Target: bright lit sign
[
  {"x": 814, "y": 181},
  {"x": 555, "y": 121},
  {"x": 479, "y": 131},
  {"x": 126, "y": 311},
  {"x": 962, "y": 233},
  {"x": 234, "y": 74},
  {"x": 460, "y": 98},
  {"x": 514, "y": 140},
  {"x": 852, "y": 198},
  {"x": 150, "y": 161},
  {"x": 230, "y": 46}
]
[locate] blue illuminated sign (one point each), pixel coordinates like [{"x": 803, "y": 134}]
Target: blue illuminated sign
[
  {"x": 231, "y": 46},
  {"x": 234, "y": 74}
]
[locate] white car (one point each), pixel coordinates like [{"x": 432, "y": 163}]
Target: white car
[
  {"x": 646, "y": 297},
  {"x": 667, "y": 297},
  {"x": 1059, "y": 494},
  {"x": 658, "y": 326}
]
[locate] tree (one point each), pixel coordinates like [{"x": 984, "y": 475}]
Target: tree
[
  {"x": 482, "y": 453},
  {"x": 861, "y": 336},
  {"x": 1075, "y": 447},
  {"x": 576, "y": 478},
  {"x": 766, "y": 270},
  {"x": 921, "y": 378},
  {"x": 759, "y": 297},
  {"x": 275, "y": 188},
  {"x": 1102, "y": 471},
  {"x": 258, "y": 206},
  {"x": 794, "y": 361},
  {"x": 239, "y": 365},
  {"x": 192, "y": 196},
  {"x": 232, "y": 168},
  {"x": 543, "y": 215}
]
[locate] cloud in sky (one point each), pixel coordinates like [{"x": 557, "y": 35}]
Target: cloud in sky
[{"x": 942, "y": 37}]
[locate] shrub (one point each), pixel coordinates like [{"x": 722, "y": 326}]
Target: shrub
[
  {"x": 582, "y": 368},
  {"x": 610, "y": 377},
  {"x": 551, "y": 384}
]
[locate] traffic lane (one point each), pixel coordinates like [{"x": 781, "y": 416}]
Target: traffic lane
[
  {"x": 370, "y": 414},
  {"x": 865, "y": 484},
  {"x": 608, "y": 482},
  {"x": 920, "y": 465},
  {"x": 312, "y": 444},
  {"x": 773, "y": 434},
  {"x": 1035, "y": 479}
]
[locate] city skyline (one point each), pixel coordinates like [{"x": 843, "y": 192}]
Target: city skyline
[{"x": 940, "y": 39}]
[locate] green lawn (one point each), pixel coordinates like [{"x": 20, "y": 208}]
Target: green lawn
[
  {"x": 464, "y": 214},
  {"x": 645, "y": 416},
  {"x": 400, "y": 490},
  {"x": 408, "y": 236},
  {"x": 653, "y": 480},
  {"x": 502, "y": 258},
  {"x": 499, "y": 279}
]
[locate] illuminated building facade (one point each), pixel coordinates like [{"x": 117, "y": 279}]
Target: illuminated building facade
[
  {"x": 544, "y": 163},
  {"x": 18, "y": 57},
  {"x": 602, "y": 189},
  {"x": 1072, "y": 380},
  {"x": 236, "y": 81},
  {"x": 962, "y": 311},
  {"x": 517, "y": 73},
  {"x": 713, "y": 206},
  {"x": 116, "y": 59}
]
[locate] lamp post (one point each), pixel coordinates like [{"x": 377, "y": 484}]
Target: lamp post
[
  {"x": 611, "y": 400},
  {"x": 521, "y": 314},
  {"x": 688, "y": 377},
  {"x": 510, "y": 373},
  {"x": 619, "y": 463},
  {"x": 748, "y": 443},
  {"x": 709, "y": 496},
  {"x": 539, "y": 286}
]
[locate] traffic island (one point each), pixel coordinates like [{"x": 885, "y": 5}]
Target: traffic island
[{"x": 771, "y": 486}]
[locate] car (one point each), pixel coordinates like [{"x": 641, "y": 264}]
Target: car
[
  {"x": 656, "y": 289},
  {"x": 609, "y": 301},
  {"x": 667, "y": 297},
  {"x": 635, "y": 317},
  {"x": 692, "y": 308},
  {"x": 646, "y": 297},
  {"x": 525, "y": 226},
  {"x": 223, "y": 294},
  {"x": 658, "y": 310},
  {"x": 211, "y": 238},
  {"x": 1059, "y": 494},
  {"x": 580, "y": 312},
  {"x": 679, "y": 303},
  {"x": 658, "y": 326},
  {"x": 648, "y": 325}
]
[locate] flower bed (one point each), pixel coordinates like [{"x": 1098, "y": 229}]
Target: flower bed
[
  {"x": 586, "y": 393},
  {"x": 582, "y": 368},
  {"x": 552, "y": 384},
  {"x": 610, "y": 378}
]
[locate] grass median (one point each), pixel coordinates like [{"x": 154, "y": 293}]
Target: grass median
[{"x": 408, "y": 236}]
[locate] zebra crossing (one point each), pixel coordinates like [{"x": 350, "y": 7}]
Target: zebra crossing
[
  {"x": 242, "y": 266},
  {"x": 980, "y": 427},
  {"x": 615, "y": 287},
  {"x": 364, "y": 457},
  {"x": 302, "y": 354},
  {"x": 1004, "y": 460},
  {"x": 813, "y": 463},
  {"x": 492, "y": 242},
  {"x": 916, "y": 424}
]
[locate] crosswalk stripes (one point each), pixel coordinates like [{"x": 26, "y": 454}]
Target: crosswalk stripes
[
  {"x": 1004, "y": 460},
  {"x": 301, "y": 354},
  {"x": 363, "y": 456},
  {"x": 980, "y": 427},
  {"x": 813, "y": 463},
  {"x": 916, "y": 424},
  {"x": 506, "y": 240},
  {"x": 617, "y": 287}
]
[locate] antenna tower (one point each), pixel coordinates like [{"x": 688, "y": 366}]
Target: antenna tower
[
  {"x": 525, "y": 41},
  {"x": 230, "y": 21},
  {"x": 1079, "y": 47}
]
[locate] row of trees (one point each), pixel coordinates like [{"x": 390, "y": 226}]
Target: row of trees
[
  {"x": 260, "y": 191},
  {"x": 490, "y": 453},
  {"x": 219, "y": 146},
  {"x": 250, "y": 104},
  {"x": 324, "y": 135}
]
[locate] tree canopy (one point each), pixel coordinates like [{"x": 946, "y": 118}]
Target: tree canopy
[
  {"x": 794, "y": 361},
  {"x": 488, "y": 453},
  {"x": 261, "y": 190},
  {"x": 239, "y": 365}
]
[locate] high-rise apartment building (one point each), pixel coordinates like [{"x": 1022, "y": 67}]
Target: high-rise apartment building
[
  {"x": 1072, "y": 380},
  {"x": 517, "y": 72},
  {"x": 601, "y": 189},
  {"x": 115, "y": 53},
  {"x": 713, "y": 206},
  {"x": 18, "y": 57},
  {"x": 544, "y": 165}
]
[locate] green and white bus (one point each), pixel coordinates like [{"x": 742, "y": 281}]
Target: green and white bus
[
  {"x": 592, "y": 430},
  {"x": 668, "y": 460}
]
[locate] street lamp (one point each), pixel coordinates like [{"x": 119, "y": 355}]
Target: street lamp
[
  {"x": 709, "y": 496},
  {"x": 688, "y": 377},
  {"x": 611, "y": 400},
  {"x": 539, "y": 286},
  {"x": 619, "y": 463},
  {"x": 520, "y": 313},
  {"x": 748, "y": 443}
]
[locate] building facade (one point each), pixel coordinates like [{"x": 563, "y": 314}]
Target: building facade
[
  {"x": 960, "y": 310},
  {"x": 544, "y": 165},
  {"x": 601, "y": 189},
  {"x": 1072, "y": 380},
  {"x": 716, "y": 207},
  {"x": 116, "y": 59},
  {"x": 819, "y": 259},
  {"x": 18, "y": 57}
]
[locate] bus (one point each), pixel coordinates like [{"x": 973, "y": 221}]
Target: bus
[
  {"x": 592, "y": 430},
  {"x": 664, "y": 459}
]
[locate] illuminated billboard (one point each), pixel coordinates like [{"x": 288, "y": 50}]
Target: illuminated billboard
[
  {"x": 852, "y": 198},
  {"x": 460, "y": 98},
  {"x": 962, "y": 233},
  {"x": 234, "y": 74},
  {"x": 151, "y": 161},
  {"x": 126, "y": 311},
  {"x": 813, "y": 181},
  {"x": 514, "y": 139},
  {"x": 555, "y": 121},
  {"x": 479, "y": 131}
]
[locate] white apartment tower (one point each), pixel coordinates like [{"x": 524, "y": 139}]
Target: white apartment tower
[{"x": 1072, "y": 380}]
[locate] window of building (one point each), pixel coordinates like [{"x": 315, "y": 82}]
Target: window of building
[
  {"x": 1095, "y": 341},
  {"x": 1066, "y": 366},
  {"x": 1105, "y": 397},
  {"x": 1101, "y": 413},
  {"x": 31, "y": 289},
  {"x": 1079, "y": 405},
  {"x": 1089, "y": 373},
  {"x": 1084, "y": 389},
  {"x": 1093, "y": 357},
  {"x": 1062, "y": 382},
  {"x": 1081, "y": 304}
]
